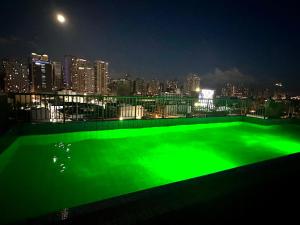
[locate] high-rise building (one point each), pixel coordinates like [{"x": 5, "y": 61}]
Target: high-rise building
[
  {"x": 153, "y": 87},
  {"x": 234, "y": 90},
  {"x": 121, "y": 87},
  {"x": 83, "y": 77},
  {"x": 192, "y": 84},
  {"x": 57, "y": 75},
  {"x": 228, "y": 90},
  {"x": 78, "y": 75},
  {"x": 40, "y": 73},
  {"x": 68, "y": 70},
  {"x": 171, "y": 86},
  {"x": 15, "y": 76},
  {"x": 139, "y": 86},
  {"x": 101, "y": 77},
  {"x": 279, "y": 92}
]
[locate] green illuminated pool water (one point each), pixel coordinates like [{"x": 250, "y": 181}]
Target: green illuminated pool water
[{"x": 46, "y": 173}]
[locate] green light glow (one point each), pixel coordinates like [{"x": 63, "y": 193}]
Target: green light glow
[{"x": 45, "y": 173}]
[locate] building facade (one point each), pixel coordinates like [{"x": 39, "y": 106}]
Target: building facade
[
  {"x": 78, "y": 75},
  {"x": 15, "y": 76},
  {"x": 153, "y": 87},
  {"x": 101, "y": 77},
  {"x": 82, "y": 76},
  {"x": 68, "y": 70},
  {"x": 57, "y": 76},
  {"x": 40, "y": 73},
  {"x": 192, "y": 84},
  {"x": 139, "y": 87}
]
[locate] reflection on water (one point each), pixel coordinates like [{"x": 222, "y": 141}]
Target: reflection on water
[
  {"x": 64, "y": 214},
  {"x": 61, "y": 156}
]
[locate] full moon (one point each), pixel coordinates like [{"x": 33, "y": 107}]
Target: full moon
[{"x": 60, "y": 18}]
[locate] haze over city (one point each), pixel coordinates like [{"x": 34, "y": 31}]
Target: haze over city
[{"x": 255, "y": 42}]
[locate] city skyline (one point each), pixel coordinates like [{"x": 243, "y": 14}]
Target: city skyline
[{"x": 75, "y": 75}]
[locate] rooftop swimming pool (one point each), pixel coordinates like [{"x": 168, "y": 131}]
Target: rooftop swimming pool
[{"x": 41, "y": 174}]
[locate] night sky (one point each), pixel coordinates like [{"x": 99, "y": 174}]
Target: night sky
[{"x": 258, "y": 40}]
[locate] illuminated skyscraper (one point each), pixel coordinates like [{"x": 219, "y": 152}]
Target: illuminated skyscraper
[
  {"x": 68, "y": 70},
  {"x": 101, "y": 76},
  {"x": 139, "y": 86},
  {"x": 171, "y": 86},
  {"x": 15, "y": 76},
  {"x": 279, "y": 92},
  {"x": 153, "y": 87},
  {"x": 192, "y": 84},
  {"x": 78, "y": 75},
  {"x": 40, "y": 73},
  {"x": 83, "y": 77},
  {"x": 121, "y": 87},
  {"x": 57, "y": 76}
]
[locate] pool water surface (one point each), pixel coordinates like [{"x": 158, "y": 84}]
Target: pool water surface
[{"x": 40, "y": 174}]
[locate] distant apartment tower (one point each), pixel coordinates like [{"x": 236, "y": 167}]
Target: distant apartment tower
[
  {"x": 83, "y": 77},
  {"x": 228, "y": 90},
  {"x": 154, "y": 87},
  {"x": 78, "y": 75},
  {"x": 192, "y": 84},
  {"x": 57, "y": 75},
  {"x": 101, "y": 77},
  {"x": 279, "y": 92},
  {"x": 171, "y": 86},
  {"x": 139, "y": 86},
  {"x": 15, "y": 76},
  {"x": 40, "y": 73},
  {"x": 234, "y": 90},
  {"x": 68, "y": 70}
]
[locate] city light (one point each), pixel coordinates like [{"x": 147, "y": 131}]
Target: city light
[
  {"x": 206, "y": 98},
  {"x": 206, "y": 94}
]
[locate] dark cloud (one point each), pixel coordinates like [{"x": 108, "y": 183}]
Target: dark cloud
[
  {"x": 17, "y": 47},
  {"x": 219, "y": 77},
  {"x": 9, "y": 40},
  {"x": 13, "y": 40}
]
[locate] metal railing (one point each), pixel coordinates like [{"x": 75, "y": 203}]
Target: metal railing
[{"x": 65, "y": 108}]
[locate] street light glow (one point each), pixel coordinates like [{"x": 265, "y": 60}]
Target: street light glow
[{"x": 60, "y": 18}]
